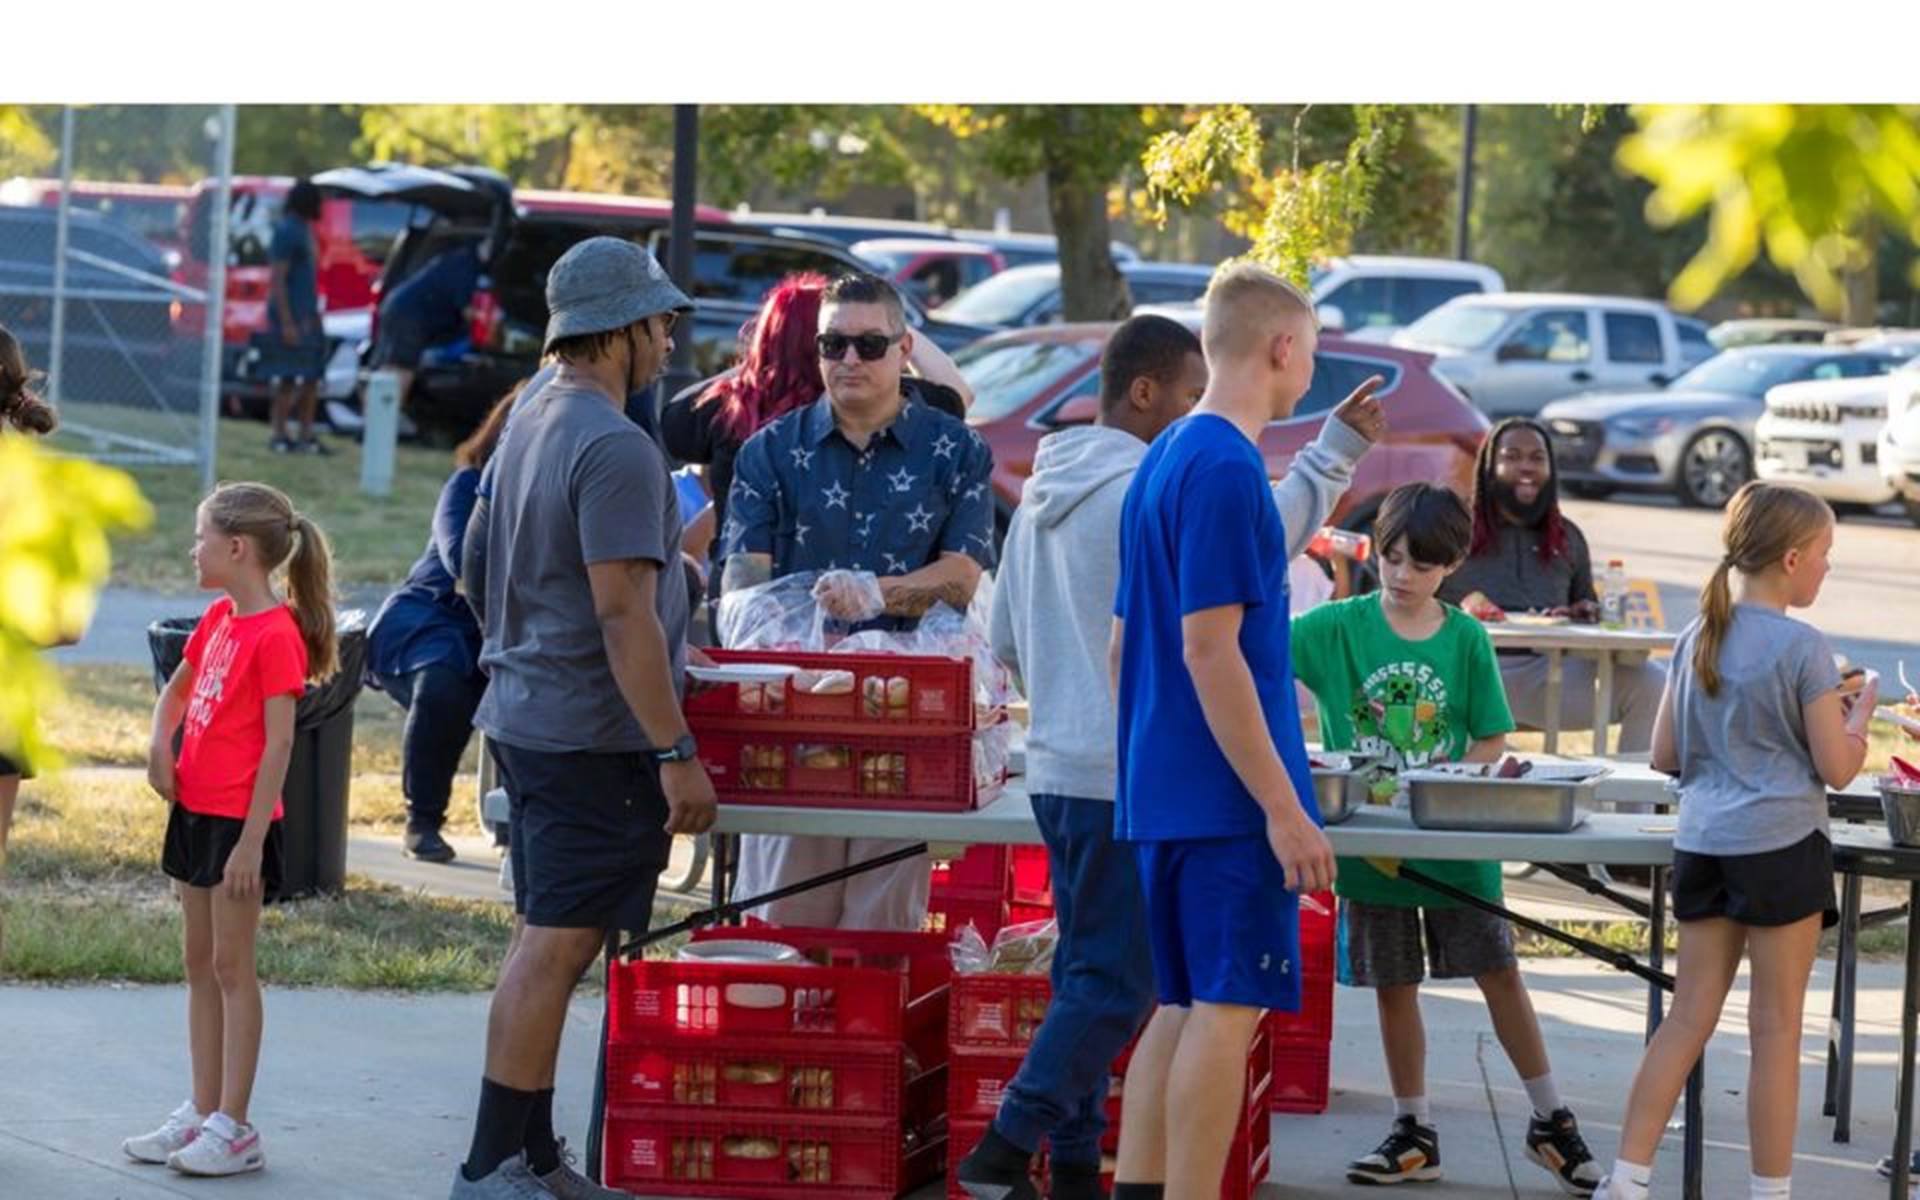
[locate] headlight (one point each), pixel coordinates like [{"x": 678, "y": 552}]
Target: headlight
[{"x": 1641, "y": 427}]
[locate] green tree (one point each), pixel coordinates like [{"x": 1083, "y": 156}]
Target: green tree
[
  {"x": 1813, "y": 185},
  {"x": 296, "y": 139},
  {"x": 55, "y": 516},
  {"x": 531, "y": 144}
]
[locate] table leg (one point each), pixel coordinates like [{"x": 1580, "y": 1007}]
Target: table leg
[
  {"x": 1692, "y": 1181},
  {"x": 1909, "y": 1010},
  {"x": 1656, "y": 947},
  {"x": 1602, "y": 701},
  {"x": 597, "y": 1119},
  {"x": 1846, "y": 982},
  {"x": 1556, "y": 679},
  {"x": 723, "y": 854}
]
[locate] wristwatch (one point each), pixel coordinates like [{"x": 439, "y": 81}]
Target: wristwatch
[{"x": 683, "y": 750}]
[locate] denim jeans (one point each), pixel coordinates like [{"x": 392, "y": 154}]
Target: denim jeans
[
  {"x": 1102, "y": 984},
  {"x": 440, "y": 704}
]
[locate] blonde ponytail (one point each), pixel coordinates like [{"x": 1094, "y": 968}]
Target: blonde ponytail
[
  {"x": 1764, "y": 521},
  {"x": 284, "y": 537}
]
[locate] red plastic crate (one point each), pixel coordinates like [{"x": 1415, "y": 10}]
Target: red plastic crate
[
  {"x": 764, "y": 1075},
  {"x": 976, "y": 1081},
  {"x": 996, "y": 1012},
  {"x": 1032, "y": 877},
  {"x": 749, "y": 1156},
  {"x": 924, "y": 774},
  {"x": 1023, "y": 914},
  {"x": 1301, "y": 1074},
  {"x": 982, "y": 870},
  {"x": 936, "y": 696},
  {"x": 948, "y": 915}
]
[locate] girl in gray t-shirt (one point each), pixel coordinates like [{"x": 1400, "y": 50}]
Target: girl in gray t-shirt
[{"x": 1757, "y": 724}]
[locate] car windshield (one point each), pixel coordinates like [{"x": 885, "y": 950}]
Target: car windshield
[
  {"x": 1458, "y": 326},
  {"x": 1007, "y": 376},
  {"x": 1002, "y": 299},
  {"x": 1744, "y": 374},
  {"x": 888, "y": 261}
]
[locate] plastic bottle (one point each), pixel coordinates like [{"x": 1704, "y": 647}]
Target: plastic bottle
[
  {"x": 1613, "y": 595},
  {"x": 1330, "y": 541}
]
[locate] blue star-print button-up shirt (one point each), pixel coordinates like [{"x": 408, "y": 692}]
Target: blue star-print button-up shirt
[{"x": 805, "y": 495}]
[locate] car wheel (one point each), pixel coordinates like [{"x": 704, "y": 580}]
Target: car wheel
[
  {"x": 1587, "y": 490},
  {"x": 1714, "y": 465}
]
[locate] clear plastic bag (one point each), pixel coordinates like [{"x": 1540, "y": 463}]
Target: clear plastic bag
[
  {"x": 968, "y": 950},
  {"x": 781, "y": 614},
  {"x": 850, "y": 596}
]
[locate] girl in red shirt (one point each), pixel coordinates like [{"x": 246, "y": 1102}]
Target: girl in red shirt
[{"x": 231, "y": 702}]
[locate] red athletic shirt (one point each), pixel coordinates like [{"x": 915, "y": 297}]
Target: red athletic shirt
[{"x": 239, "y": 663}]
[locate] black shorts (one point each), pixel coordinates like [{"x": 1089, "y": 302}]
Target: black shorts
[
  {"x": 588, "y": 836},
  {"x": 1775, "y": 888},
  {"x": 197, "y": 847}
]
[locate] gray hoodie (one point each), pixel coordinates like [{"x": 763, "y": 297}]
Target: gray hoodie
[{"x": 1053, "y": 598}]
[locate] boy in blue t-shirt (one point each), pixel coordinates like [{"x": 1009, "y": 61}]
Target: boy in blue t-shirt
[{"x": 1214, "y": 788}]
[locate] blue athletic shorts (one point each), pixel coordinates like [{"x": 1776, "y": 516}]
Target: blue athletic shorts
[{"x": 1224, "y": 927}]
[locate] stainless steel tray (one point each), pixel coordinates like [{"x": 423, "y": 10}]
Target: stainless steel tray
[
  {"x": 1900, "y": 803},
  {"x": 1340, "y": 791},
  {"x": 1551, "y": 798}
]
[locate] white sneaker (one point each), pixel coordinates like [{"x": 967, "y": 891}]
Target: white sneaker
[
  {"x": 181, "y": 1128},
  {"x": 213, "y": 1153}
]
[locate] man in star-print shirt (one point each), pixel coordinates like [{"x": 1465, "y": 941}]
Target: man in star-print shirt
[{"x": 867, "y": 478}]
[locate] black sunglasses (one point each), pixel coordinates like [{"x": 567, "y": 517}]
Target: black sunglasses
[{"x": 871, "y": 347}]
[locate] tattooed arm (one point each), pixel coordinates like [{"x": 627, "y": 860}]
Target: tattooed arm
[{"x": 949, "y": 579}]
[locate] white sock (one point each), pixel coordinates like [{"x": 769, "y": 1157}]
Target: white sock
[
  {"x": 1628, "y": 1181},
  {"x": 1765, "y": 1188},
  {"x": 1544, "y": 1093},
  {"x": 1413, "y": 1106},
  {"x": 223, "y": 1125}
]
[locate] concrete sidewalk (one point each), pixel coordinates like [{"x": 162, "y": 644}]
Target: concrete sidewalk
[{"x": 370, "y": 1097}]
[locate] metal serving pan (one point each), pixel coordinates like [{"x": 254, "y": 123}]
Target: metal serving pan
[
  {"x": 1900, "y": 804},
  {"x": 1550, "y": 798},
  {"x": 1340, "y": 783}
]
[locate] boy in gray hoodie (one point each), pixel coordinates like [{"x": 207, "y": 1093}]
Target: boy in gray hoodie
[{"x": 1051, "y": 618}]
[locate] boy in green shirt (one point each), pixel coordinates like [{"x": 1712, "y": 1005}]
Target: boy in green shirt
[{"x": 1401, "y": 676}]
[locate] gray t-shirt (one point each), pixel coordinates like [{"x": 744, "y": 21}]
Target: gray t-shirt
[
  {"x": 1747, "y": 780},
  {"x": 576, "y": 484}
]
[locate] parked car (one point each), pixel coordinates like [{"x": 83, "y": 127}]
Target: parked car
[
  {"x": 527, "y": 232},
  {"x": 1021, "y": 296},
  {"x": 156, "y": 212},
  {"x": 1514, "y": 352},
  {"x": 1695, "y": 437},
  {"x": 1027, "y": 249},
  {"x": 1769, "y": 331},
  {"x": 828, "y": 227},
  {"x": 352, "y": 240},
  {"x": 119, "y": 344},
  {"x": 1899, "y": 447},
  {"x": 1028, "y": 383},
  {"x": 1371, "y": 296},
  {"x": 933, "y": 270},
  {"x": 1826, "y": 436}
]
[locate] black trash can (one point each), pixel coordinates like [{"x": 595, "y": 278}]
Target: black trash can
[{"x": 320, "y": 772}]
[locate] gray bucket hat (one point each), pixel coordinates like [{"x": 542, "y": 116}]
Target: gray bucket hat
[{"x": 607, "y": 283}]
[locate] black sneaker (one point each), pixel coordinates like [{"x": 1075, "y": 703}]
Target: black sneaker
[
  {"x": 281, "y": 445},
  {"x": 313, "y": 446},
  {"x": 1555, "y": 1143},
  {"x": 1913, "y": 1168},
  {"x": 1411, "y": 1154},
  {"x": 428, "y": 846},
  {"x": 996, "y": 1169}
]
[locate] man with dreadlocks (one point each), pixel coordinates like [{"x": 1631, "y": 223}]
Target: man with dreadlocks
[{"x": 1528, "y": 557}]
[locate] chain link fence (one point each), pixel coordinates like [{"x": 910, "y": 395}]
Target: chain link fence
[{"x": 103, "y": 284}]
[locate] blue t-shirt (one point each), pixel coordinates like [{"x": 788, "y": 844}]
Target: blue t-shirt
[
  {"x": 434, "y": 298},
  {"x": 292, "y": 244},
  {"x": 426, "y": 622},
  {"x": 1199, "y": 530}
]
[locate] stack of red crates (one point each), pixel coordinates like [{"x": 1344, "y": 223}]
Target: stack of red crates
[
  {"x": 898, "y": 736},
  {"x": 769, "y": 1082},
  {"x": 993, "y": 1020},
  {"x": 991, "y": 887},
  {"x": 1303, "y": 1041}
]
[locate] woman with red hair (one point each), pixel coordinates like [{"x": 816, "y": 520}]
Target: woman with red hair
[{"x": 779, "y": 371}]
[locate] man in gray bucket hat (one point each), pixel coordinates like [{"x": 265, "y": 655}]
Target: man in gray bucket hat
[{"x": 584, "y": 645}]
